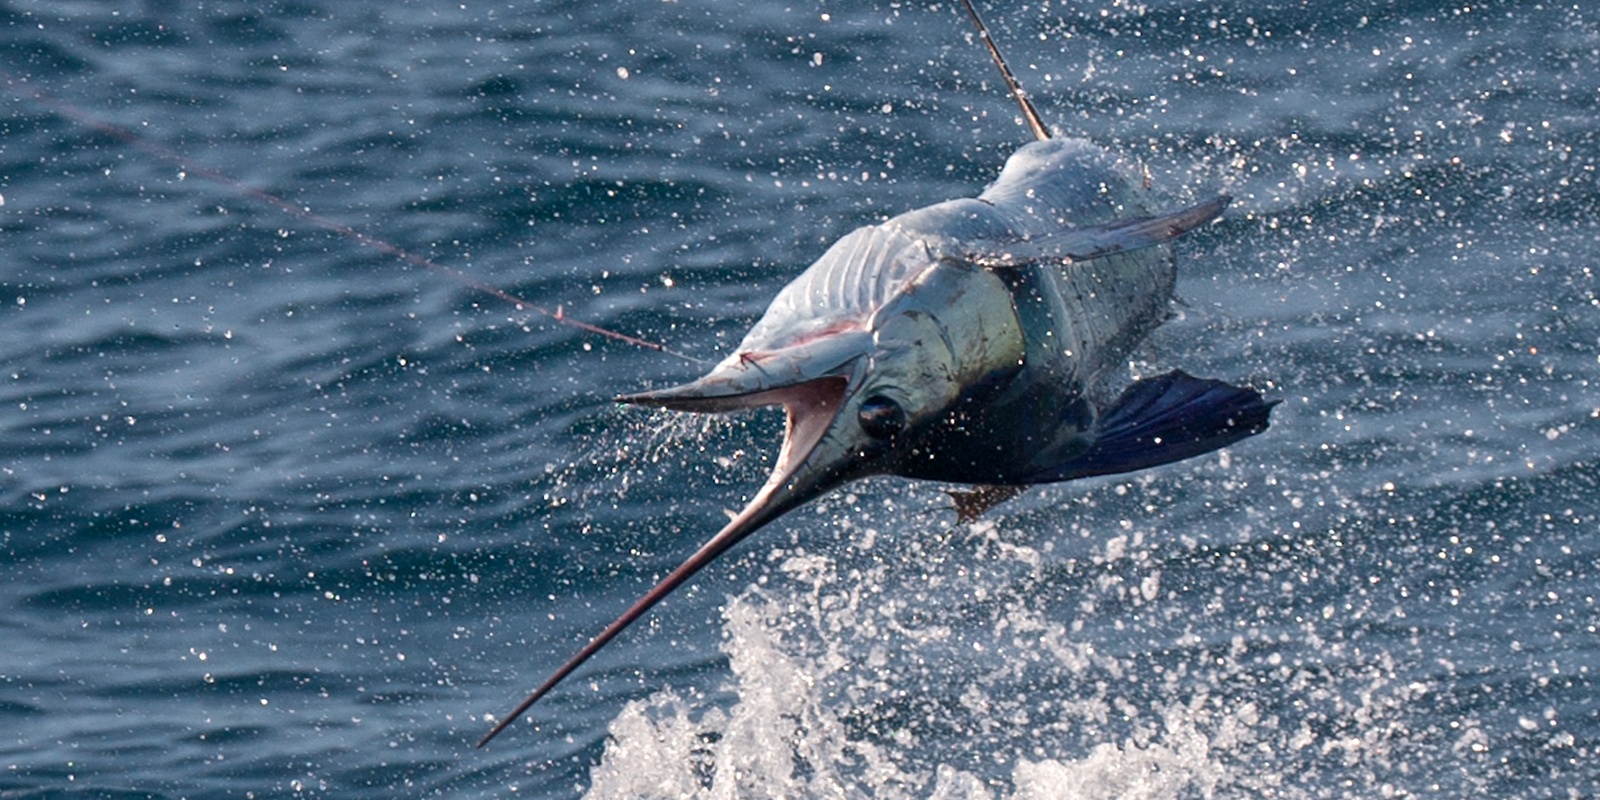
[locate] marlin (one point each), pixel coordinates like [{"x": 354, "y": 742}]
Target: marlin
[{"x": 975, "y": 341}]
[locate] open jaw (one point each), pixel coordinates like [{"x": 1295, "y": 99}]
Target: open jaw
[
  {"x": 810, "y": 463},
  {"x": 810, "y": 407}
]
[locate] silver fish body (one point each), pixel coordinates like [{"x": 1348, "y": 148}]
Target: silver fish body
[
  {"x": 991, "y": 323},
  {"x": 972, "y": 341}
]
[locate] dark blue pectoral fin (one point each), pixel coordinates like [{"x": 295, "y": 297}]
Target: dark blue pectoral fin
[{"x": 1165, "y": 419}]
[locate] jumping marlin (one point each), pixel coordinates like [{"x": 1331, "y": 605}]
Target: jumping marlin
[{"x": 970, "y": 342}]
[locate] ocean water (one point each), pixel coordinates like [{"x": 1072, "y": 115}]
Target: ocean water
[{"x": 282, "y": 515}]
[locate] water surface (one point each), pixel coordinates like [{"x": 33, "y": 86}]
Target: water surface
[{"x": 283, "y": 516}]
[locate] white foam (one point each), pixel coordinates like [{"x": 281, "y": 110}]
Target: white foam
[{"x": 854, "y": 680}]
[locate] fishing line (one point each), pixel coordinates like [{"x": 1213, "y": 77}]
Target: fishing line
[{"x": 21, "y": 88}]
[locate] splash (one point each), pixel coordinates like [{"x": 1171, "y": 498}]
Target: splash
[
  {"x": 626, "y": 447},
  {"x": 854, "y": 677},
  {"x": 1096, "y": 658}
]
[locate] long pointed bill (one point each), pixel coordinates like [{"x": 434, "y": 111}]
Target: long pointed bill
[{"x": 807, "y": 466}]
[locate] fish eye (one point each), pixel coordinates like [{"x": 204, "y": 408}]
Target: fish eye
[{"x": 881, "y": 418}]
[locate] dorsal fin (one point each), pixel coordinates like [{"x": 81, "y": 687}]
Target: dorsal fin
[{"x": 1040, "y": 132}]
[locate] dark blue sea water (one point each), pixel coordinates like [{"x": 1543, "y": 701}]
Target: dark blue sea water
[{"x": 284, "y": 516}]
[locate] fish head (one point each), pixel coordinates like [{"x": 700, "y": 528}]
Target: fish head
[
  {"x": 862, "y": 382},
  {"x": 947, "y": 338}
]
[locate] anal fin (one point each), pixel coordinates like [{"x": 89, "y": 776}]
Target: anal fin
[
  {"x": 970, "y": 504},
  {"x": 1165, "y": 419}
]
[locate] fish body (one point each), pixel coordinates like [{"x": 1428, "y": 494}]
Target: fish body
[
  {"x": 974, "y": 341},
  {"x": 985, "y": 330}
]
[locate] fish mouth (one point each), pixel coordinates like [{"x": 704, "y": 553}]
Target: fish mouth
[
  {"x": 814, "y": 379},
  {"x": 810, "y": 461}
]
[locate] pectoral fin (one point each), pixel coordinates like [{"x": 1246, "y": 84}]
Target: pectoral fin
[
  {"x": 1083, "y": 244},
  {"x": 1165, "y": 419}
]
